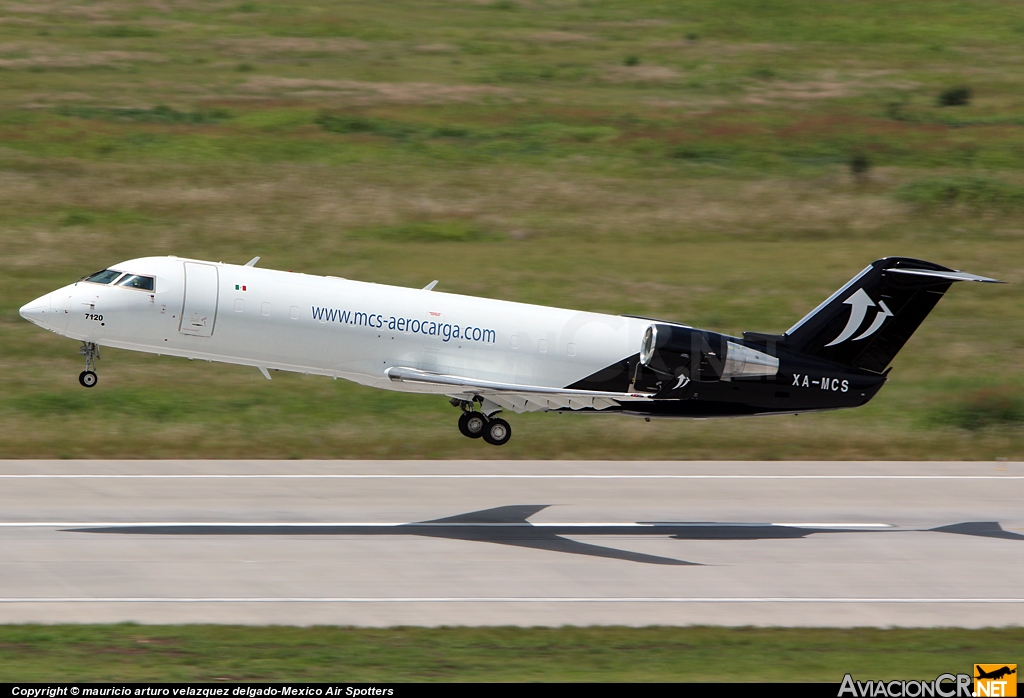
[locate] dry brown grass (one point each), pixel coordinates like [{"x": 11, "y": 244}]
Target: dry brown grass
[
  {"x": 362, "y": 93},
  {"x": 254, "y": 47},
  {"x": 639, "y": 73},
  {"x": 558, "y": 37},
  {"x": 91, "y": 59},
  {"x": 502, "y": 198}
]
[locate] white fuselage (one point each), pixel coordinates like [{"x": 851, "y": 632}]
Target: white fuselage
[{"x": 335, "y": 327}]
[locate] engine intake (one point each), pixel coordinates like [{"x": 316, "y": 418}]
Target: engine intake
[{"x": 701, "y": 356}]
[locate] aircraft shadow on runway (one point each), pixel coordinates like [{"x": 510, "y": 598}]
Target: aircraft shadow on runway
[{"x": 509, "y": 525}]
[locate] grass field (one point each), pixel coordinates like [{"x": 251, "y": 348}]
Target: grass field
[
  {"x": 231, "y": 653},
  {"x": 726, "y": 164}
]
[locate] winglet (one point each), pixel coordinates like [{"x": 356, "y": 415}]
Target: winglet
[
  {"x": 252, "y": 262},
  {"x": 430, "y": 286}
]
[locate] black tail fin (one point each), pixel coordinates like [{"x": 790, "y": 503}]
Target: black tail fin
[{"x": 868, "y": 320}]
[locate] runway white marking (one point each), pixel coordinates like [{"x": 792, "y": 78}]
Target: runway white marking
[
  {"x": 487, "y": 476},
  {"x": 418, "y": 524},
  {"x": 508, "y": 599}
]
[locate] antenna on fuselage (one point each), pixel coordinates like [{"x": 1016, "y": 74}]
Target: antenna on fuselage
[
  {"x": 252, "y": 262},
  {"x": 428, "y": 287}
]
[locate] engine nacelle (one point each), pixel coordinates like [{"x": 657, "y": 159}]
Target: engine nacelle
[{"x": 701, "y": 356}]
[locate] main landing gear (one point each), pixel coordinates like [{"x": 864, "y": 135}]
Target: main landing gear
[
  {"x": 476, "y": 425},
  {"x": 91, "y": 352}
]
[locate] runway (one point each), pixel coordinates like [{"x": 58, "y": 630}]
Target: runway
[{"x": 380, "y": 543}]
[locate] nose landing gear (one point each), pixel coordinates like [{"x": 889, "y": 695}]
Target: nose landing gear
[
  {"x": 477, "y": 425},
  {"x": 91, "y": 352}
]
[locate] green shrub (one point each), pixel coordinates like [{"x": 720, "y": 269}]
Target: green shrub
[
  {"x": 160, "y": 114},
  {"x": 859, "y": 164},
  {"x": 124, "y": 31},
  {"x": 955, "y": 97},
  {"x": 78, "y": 218},
  {"x": 349, "y": 123},
  {"x": 700, "y": 152}
]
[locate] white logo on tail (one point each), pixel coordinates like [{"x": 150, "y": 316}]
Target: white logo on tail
[{"x": 859, "y": 303}]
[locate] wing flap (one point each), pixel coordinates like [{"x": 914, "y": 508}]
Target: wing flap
[{"x": 515, "y": 396}]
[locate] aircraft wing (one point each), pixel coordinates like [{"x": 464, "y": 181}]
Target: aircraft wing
[{"x": 516, "y": 397}]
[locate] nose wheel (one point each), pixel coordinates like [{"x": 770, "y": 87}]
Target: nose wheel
[{"x": 91, "y": 352}]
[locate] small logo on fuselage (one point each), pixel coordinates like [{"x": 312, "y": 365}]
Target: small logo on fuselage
[{"x": 859, "y": 303}]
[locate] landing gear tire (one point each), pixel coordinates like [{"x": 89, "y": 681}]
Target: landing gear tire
[
  {"x": 91, "y": 352},
  {"x": 498, "y": 432},
  {"x": 472, "y": 424}
]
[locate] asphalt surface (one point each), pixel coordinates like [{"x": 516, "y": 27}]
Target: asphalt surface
[{"x": 381, "y": 543}]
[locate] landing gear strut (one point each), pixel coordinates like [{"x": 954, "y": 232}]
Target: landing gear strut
[
  {"x": 91, "y": 352},
  {"x": 475, "y": 424}
]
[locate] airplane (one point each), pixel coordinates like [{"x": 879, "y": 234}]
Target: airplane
[{"x": 486, "y": 355}]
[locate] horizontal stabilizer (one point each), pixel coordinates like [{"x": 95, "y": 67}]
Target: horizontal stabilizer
[{"x": 950, "y": 275}]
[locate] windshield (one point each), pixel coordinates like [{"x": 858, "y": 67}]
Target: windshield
[
  {"x": 135, "y": 281},
  {"x": 103, "y": 277}
]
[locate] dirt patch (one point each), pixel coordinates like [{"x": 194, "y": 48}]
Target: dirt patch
[
  {"x": 42, "y": 7},
  {"x": 640, "y": 73},
  {"x": 722, "y": 48},
  {"x": 252, "y": 47},
  {"x": 436, "y": 48},
  {"x": 827, "y": 86},
  {"x": 801, "y": 90},
  {"x": 637, "y": 23},
  {"x": 557, "y": 37},
  {"x": 81, "y": 60},
  {"x": 370, "y": 92}
]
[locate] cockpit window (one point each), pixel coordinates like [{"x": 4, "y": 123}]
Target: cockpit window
[
  {"x": 135, "y": 281},
  {"x": 103, "y": 277}
]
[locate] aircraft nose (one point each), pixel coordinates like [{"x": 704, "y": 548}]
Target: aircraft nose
[{"x": 35, "y": 311}]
